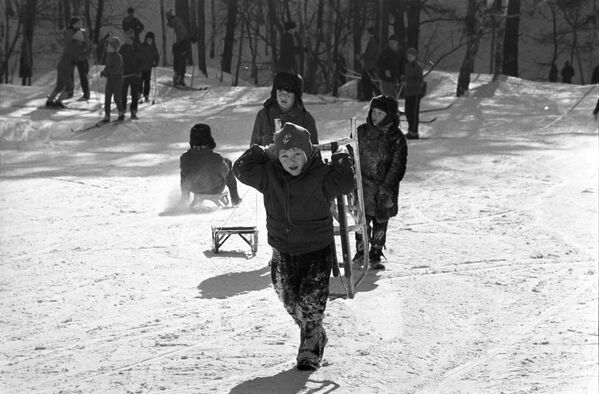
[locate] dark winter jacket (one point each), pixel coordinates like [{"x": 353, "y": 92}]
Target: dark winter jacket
[
  {"x": 383, "y": 157},
  {"x": 132, "y": 60},
  {"x": 203, "y": 171},
  {"x": 298, "y": 217},
  {"x": 149, "y": 56},
  {"x": 412, "y": 79},
  {"x": 131, "y": 22},
  {"x": 264, "y": 125},
  {"x": 393, "y": 62},
  {"x": 75, "y": 45},
  {"x": 181, "y": 33},
  {"x": 567, "y": 73},
  {"x": 114, "y": 66}
]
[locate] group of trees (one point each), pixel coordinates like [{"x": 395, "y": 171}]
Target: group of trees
[{"x": 244, "y": 34}]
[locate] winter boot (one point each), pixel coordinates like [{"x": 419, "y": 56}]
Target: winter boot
[
  {"x": 50, "y": 104},
  {"x": 412, "y": 136},
  {"x": 358, "y": 259},
  {"x": 59, "y": 104},
  {"x": 120, "y": 118},
  {"x": 313, "y": 341},
  {"x": 375, "y": 259},
  {"x": 106, "y": 119},
  {"x": 134, "y": 116}
]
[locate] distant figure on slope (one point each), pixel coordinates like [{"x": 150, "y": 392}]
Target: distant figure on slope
[
  {"x": 297, "y": 187},
  {"x": 150, "y": 59},
  {"x": 595, "y": 77},
  {"x": 288, "y": 50},
  {"x": 567, "y": 73},
  {"x": 131, "y": 22},
  {"x": 132, "y": 62},
  {"x": 204, "y": 172},
  {"x": 284, "y": 105},
  {"x": 369, "y": 61},
  {"x": 181, "y": 47},
  {"x": 65, "y": 68},
  {"x": 113, "y": 72},
  {"x": 553, "y": 73},
  {"x": 412, "y": 81},
  {"x": 391, "y": 65},
  {"x": 82, "y": 63},
  {"x": 383, "y": 157}
]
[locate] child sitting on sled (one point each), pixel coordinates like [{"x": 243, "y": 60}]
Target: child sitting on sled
[
  {"x": 383, "y": 157},
  {"x": 297, "y": 187},
  {"x": 204, "y": 172}
]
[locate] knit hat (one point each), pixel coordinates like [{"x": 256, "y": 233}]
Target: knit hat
[
  {"x": 286, "y": 81},
  {"x": 412, "y": 51},
  {"x": 149, "y": 35},
  {"x": 200, "y": 135},
  {"x": 169, "y": 14},
  {"x": 387, "y": 104},
  {"x": 74, "y": 20},
  {"x": 130, "y": 10},
  {"x": 114, "y": 42},
  {"x": 293, "y": 136}
]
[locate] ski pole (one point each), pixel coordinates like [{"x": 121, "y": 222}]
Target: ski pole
[{"x": 154, "y": 87}]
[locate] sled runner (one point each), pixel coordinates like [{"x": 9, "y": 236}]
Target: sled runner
[
  {"x": 221, "y": 234},
  {"x": 351, "y": 205}
]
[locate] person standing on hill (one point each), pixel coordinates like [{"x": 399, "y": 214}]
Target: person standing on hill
[
  {"x": 553, "y": 73},
  {"x": 369, "y": 61},
  {"x": 132, "y": 59},
  {"x": 82, "y": 63},
  {"x": 391, "y": 65},
  {"x": 181, "y": 47},
  {"x": 288, "y": 50},
  {"x": 595, "y": 77},
  {"x": 284, "y": 105},
  {"x": 567, "y": 73},
  {"x": 131, "y": 22},
  {"x": 113, "y": 72},
  {"x": 412, "y": 86},
  {"x": 150, "y": 59}
]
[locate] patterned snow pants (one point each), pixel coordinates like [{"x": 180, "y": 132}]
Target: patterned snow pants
[
  {"x": 302, "y": 284},
  {"x": 377, "y": 234}
]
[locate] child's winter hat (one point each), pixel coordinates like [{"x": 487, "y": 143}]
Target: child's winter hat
[
  {"x": 149, "y": 35},
  {"x": 387, "y": 104},
  {"x": 293, "y": 136},
  {"x": 114, "y": 42},
  {"x": 412, "y": 51},
  {"x": 201, "y": 135},
  {"x": 290, "y": 82}
]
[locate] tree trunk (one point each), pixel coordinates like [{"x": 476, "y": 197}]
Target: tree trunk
[
  {"x": 413, "y": 16},
  {"x": 164, "y": 45},
  {"x": 398, "y": 9},
  {"x": 182, "y": 12},
  {"x": 310, "y": 76},
  {"x": 26, "y": 60},
  {"x": 213, "y": 33},
  {"x": 239, "y": 52},
  {"x": 501, "y": 18},
  {"x": 97, "y": 27},
  {"x": 227, "y": 58},
  {"x": 272, "y": 33},
  {"x": 201, "y": 21},
  {"x": 66, "y": 7},
  {"x": 473, "y": 37},
  {"x": 510, "y": 45},
  {"x": 357, "y": 30}
]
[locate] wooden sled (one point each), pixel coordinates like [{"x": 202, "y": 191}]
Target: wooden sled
[
  {"x": 221, "y": 234},
  {"x": 351, "y": 205}
]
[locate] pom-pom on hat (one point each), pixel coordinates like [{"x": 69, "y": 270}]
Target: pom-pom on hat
[
  {"x": 200, "y": 135},
  {"x": 293, "y": 136}
]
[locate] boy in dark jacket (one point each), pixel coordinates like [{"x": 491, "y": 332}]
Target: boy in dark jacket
[
  {"x": 181, "y": 47},
  {"x": 150, "y": 58},
  {"x": 391, "y": 64},
  {"x": 412, "y": 86},
  {"x": 131, "y": 54},
  {"x": 284, "y": 105},
  {"x": 203, "y": 171},
  {"x": 113, "y": 72},
  {"x": 383, "y": 157},
  {"x": 297, "y": 187},
  {"x": 130, "y": 22}
]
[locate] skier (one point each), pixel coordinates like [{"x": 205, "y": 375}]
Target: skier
[
  {"x": 181, "y": 48},
  {"x": 132, "y": 62},
  {"x": 391, "y": 65},
  {"x": 284, "y": 105},
  {"x": 85, "y": 48},
  {"x": 297, "y": 188},
  {"x": 203, "y": 171},
  {"x": 131, "y": 22},
  {"x": 113, "y": 72},
  {"x": 412, "y": 81},
  {"x": 567, "y": 72},
  {"x": 383, "y": 157},
  {"x": 65, "y": 68},
  {"x": 150, "y": 58}
]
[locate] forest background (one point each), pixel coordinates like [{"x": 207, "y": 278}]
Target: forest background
[{"x": 241, "y": 37}]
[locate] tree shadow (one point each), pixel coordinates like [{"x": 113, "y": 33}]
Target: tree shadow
[
  {"x": 290, "y": 381},
  {"x": 235, "y": 283}
]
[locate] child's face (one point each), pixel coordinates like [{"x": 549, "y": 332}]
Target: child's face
[
  {"x": 110, "y": 48},
  {"x": 149, "y": 41},
  {"x": 293, "y": 160},
  {"x": 411, "y": 58},
  {"x": 285, "y": 99},
  {"x": 377, "y": 116}
]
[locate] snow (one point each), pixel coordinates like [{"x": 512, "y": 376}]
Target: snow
[{"x": 491, "y": 284}]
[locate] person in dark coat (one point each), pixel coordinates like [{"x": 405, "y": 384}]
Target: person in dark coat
[
  {"x": 288, "y": 50},
  {"x": 412, "y": 87},
  {"x": 150, "y": 58},
  {"x": 132, "y": 60},
  {"x": 369, "y": 65},
  {"x": 595, "y": 77},
  {"x": 181, "y": 48},
  {"x": 130, "y": 22},
  {"x": 113, "y": 72},
  {"x": 553, "y": 73},
  {"x": 284, "y": 105},
  {"x": 383, "y": 158},
  {"x": 391, "y": 65},
  {"x": 297, "y": 187},
  {"x": 567, "y": 72},
  {"x": 203, "y": 171}
]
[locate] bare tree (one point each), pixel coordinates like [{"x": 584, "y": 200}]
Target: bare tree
[
  {"x": 26, "y": 61},
  {"x": 511, "y": 39},
  {"x": 227, "y": 58},
  {"x": 473, "y": 34},
  {"x": 163, "y": 25},
  {"x": 201, "y": 36}
]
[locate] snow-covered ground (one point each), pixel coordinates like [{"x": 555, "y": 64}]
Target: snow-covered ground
[{"x": 491, "y": 284}]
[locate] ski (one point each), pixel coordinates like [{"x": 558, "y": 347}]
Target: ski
[
  {"x": 90, "y": 109},
  {"x": 96, "y": 125},
  {"x": 427, "y": 120},
  {"x": 170, "y": 84}
]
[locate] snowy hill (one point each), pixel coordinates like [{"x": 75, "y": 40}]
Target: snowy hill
[{"x": 491, "y": 281}]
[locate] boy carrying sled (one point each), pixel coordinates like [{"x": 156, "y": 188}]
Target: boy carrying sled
[{"x": 297, "y": 187}]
